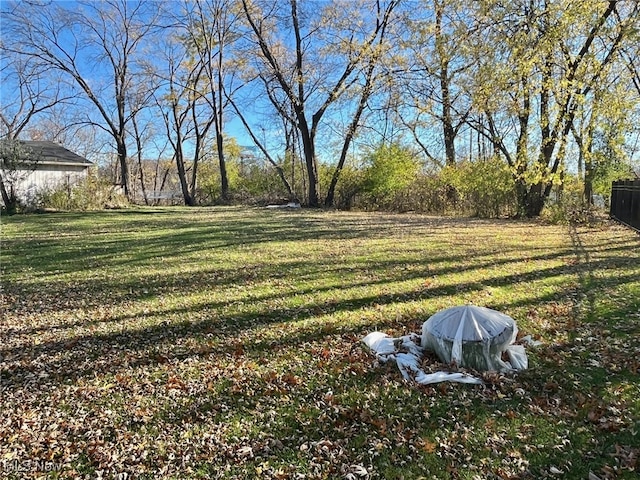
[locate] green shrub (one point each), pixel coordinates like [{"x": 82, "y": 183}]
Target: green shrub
[
  {"x": 390, "y": 172},
  {"x": 349, "y": 188},
  {"x": 566, "y": 204},
  {"x": 393, "y": 181},
  {"x": 91, "y": 193},
  {"x": 482, "y": 188},
  {"x": 260, "y": 185},
  {"x": 429, "y": 193},
  {"x": 607, "y": 171}
]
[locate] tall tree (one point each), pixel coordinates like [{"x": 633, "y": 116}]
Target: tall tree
[
  {"x": 311, "y": 57},
  {"x": 631, "y": 59},
  {"x": 94, "y": 44},
  {"x": 179, "y": 102},
  {"x": 601, "y": 129},
  {"x": 262, "y": 146},
  {"x": 372, "y": 76},
  {"x": 193, "y": 70},
  {"x": 537, "y": 64},
  {"x": 211, "y": 29},
  {"x": 430, "y": 80},
  {"x": 27, "y": 92}
]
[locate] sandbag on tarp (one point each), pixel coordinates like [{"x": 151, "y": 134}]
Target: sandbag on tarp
[{"x": 473, "y": 337}]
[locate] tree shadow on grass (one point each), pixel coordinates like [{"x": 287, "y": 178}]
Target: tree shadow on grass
[
  {"x": 79, "y": 296},
  {"x": 78, "y": 244},
  {"x": 170, "y": 233},
  {"x": 559, "y": 375},
  {"x": 142, "y": 285},
  {"x": 78, "y": 351},
  {"x": 94, "y": 292}
]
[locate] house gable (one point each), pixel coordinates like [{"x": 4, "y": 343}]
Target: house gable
[{"x": 46, "y": 166}]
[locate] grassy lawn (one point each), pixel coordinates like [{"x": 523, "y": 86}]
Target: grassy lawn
[{"x": 224, "y": 343}]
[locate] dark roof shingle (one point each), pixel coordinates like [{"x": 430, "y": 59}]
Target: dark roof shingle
[{"x": 51, "y": 152}]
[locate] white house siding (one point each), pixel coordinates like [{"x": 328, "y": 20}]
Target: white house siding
[{"x": 49, "y": 177}]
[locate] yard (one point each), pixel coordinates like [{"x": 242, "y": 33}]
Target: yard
[{"x": 224, "y": 343}]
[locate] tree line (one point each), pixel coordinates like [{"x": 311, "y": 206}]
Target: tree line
[{"x": 543, "y": 90}]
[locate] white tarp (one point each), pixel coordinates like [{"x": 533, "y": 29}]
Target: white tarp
[
  {"x": 407, "y": 354},
  {"x": 286, "y": 205},
  {"x": 469, "y": 336}
]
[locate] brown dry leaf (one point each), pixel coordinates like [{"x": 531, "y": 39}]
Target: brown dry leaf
[{"x": 428, "y": 446}]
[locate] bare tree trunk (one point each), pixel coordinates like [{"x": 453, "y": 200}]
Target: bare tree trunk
[
  {"x": 182, "y": 176},
  {"x": 295, "y": 85},
  {"x": 9, "y": 200},
  {"x": 224, "y": 177},
  {"x": 449, "y": 131},
  {"x": 139, "y": 157},
  {"x": 308, "y": 147},
  {"x": 218, "y": 124},
  {"x": 351, "y": 131}
]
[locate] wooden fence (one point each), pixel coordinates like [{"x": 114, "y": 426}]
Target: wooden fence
[{"x": 625, "y": 202}]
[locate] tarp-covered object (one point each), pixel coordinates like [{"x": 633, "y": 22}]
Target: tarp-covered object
[{"x": 474, "y": 337}]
